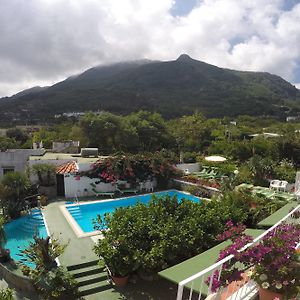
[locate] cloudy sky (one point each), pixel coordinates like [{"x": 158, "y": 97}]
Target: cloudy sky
[{"x": 44, "y": 41}]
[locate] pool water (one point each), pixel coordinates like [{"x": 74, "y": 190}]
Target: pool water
[
  {"x": 20, "y": 232},
  {"x": 84, "y": 214}
]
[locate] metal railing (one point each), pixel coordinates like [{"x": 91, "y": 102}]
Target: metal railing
[{"x": 239, "y": 292}]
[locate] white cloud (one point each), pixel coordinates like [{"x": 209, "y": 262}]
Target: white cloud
[{"x": 43, "y": 41}]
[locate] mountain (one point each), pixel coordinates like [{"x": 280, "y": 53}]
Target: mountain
[
  {"x": 173, "y": 88},
  {"x": 30, "y": 91}
]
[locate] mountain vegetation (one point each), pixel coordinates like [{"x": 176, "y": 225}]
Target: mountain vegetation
[{"x": 172, "y": 88}]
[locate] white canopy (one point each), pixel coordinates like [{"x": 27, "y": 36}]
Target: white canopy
[{"x": 215, "y": 158}]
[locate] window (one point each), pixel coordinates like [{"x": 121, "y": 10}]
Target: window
[{"x": 8, "y": 169}]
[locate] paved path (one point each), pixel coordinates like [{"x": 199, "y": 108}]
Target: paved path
[{"x": 79, "y": 250}]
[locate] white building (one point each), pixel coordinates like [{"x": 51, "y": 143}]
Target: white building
[{"x": 16, "y": 159}]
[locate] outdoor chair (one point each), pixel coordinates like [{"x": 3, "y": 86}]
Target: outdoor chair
[
  {"x": 142, "y": 186},
  {"x": 149, "y": 186},
  {"x": 125, "y": 191},
  {"x": 283, "y": 185},
  {"x": 275, "y": 184},
  {"x": 97, "y": 193}
]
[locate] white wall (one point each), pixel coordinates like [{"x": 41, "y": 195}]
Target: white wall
[
  {"x": 84, "y": 166},
  {"x": 17, "y": 158},
  {"x": 82, "y": 186},
  {"x": 193, "y": 167},
  {"x": 56, "y": 162}
]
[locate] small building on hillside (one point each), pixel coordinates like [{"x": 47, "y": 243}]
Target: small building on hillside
[{"x": 66, "y": 147}]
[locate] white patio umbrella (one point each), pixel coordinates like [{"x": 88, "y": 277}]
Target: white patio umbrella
[{"x": 215, "y": 158}]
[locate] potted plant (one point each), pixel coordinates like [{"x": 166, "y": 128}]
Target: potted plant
[
  {"x": 118, "y": 260},
  {"x": 276, "y": 266},
  {"x": 274, "y": 261}
]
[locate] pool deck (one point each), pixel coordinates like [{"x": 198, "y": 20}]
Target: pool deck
[{"x": 78, "y": 250}]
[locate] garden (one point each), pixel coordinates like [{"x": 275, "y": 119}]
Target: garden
[{"x": 145, "y": 239}]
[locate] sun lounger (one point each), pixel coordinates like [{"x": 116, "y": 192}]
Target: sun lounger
[
  {"x": 97, "y": 193},
  {"x": 126, "y": 191}
]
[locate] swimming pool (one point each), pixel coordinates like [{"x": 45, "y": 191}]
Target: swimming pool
[
  {"x": 20, "y": 232},
  {"x": 84, "y": 214}
]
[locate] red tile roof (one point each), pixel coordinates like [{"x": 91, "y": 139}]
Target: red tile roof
[{"x": 69, "y": 167}]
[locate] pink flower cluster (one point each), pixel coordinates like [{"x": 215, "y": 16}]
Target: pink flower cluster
[{"x": 274, "y": 259}]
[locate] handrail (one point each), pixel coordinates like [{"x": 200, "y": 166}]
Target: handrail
[{"x": 218, "y": 264}]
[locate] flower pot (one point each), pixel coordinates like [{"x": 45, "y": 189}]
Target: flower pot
[
  {"x": 265, "y": 294},
  {"x": 120, "y": 281}
]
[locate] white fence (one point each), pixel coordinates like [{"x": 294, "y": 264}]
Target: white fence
[{"x": 246, "y": 291}]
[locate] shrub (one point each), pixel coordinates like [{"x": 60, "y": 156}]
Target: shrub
[
  {"x": 13, "y": 189},
  {"x": 162, "y": 234},
  {"x": 285, "y": 170},
  {"x": 51, "y": 281},
  {"x": 134, "y": 167},
  {"x": 189, "y": 157}
]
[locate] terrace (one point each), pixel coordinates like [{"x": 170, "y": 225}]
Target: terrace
[{"x": 185, "y": 280}]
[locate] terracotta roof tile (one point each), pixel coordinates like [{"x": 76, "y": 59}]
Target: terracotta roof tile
[{"x": 69, "y": 167}]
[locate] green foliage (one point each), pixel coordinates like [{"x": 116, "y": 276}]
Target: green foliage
[
  {"x": 45, "y": 173},
  {"x": 285, "y": 170},
  {"x": 245, "y": 175},
  {"x": 51, "y": 281},
  {"x": 8, "y": 143},
  {"x": 6, "y": 294},
  {"x": 13, "y": 189},
  {"x": 141, "y": 131},
  {"x": 254, "y": 208},
  {"x": 189, "y": 157},
  {"x": 2, "y": 233},
  {"x": 261, "y": 169},
  {"x": 43, "y": 252},
  {"x": 57, "y": 284},
  {"x": 17, "y": 134},
  {"x": 159, "y": 235},
  {"x": 192, "y": 133},
  {"x": 61, "y": 132}
]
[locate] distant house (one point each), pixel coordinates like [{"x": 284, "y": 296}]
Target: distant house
[
  {"x": 265, "y": 135},
  {"x": 16, "y": 159},
  {"x": 66, "y": 147},
  {"x": 292, "y": 118}
]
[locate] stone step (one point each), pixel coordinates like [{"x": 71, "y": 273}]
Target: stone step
[
  {"x": 94, "y": 288},
  {"x": 83, "y": 265},
  {"x": 91, "y": 279},
  {"x": 87, "y": 272}
]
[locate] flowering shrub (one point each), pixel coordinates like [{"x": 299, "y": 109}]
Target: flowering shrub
[
  {"x": 131, "y": 168},
  {"x": 274, "y": 261}
]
